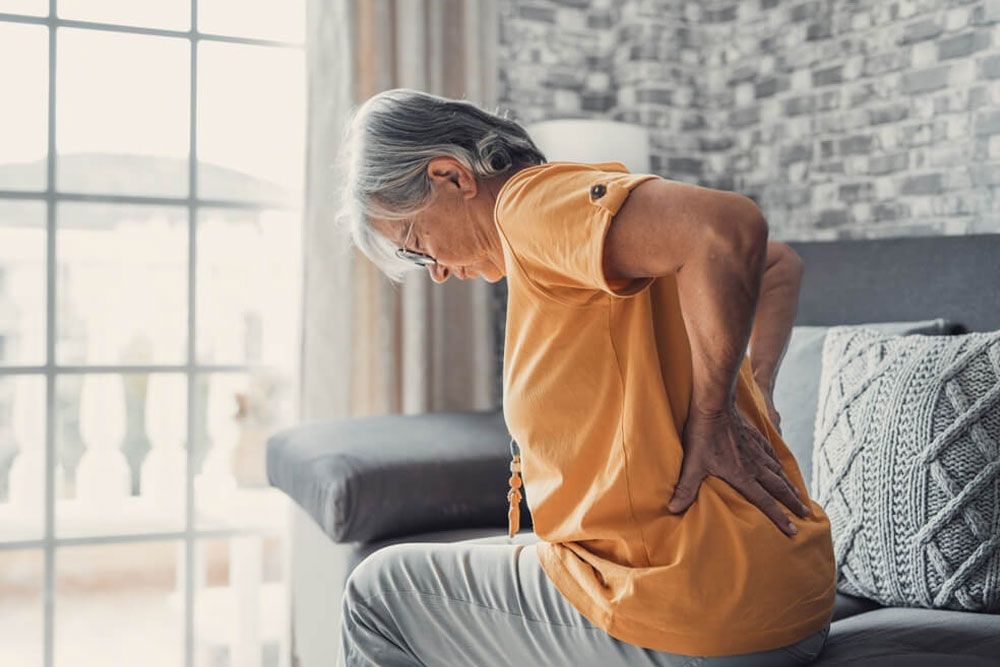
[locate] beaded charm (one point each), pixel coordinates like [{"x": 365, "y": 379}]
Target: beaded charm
[{"x": 514, "y": 494}]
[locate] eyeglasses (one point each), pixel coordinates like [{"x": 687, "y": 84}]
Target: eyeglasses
[{"x": 417, "y": 258}]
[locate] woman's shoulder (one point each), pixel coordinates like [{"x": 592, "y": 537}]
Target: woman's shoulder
[
  {"x": 554, "y": 219},
  {"x": 533, "y": 187},
  {"x": 567, "y": 166}
]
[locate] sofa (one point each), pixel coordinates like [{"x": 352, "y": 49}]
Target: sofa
[{"x": 364, "y": 483}]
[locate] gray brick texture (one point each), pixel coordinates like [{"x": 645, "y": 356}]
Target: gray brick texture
[{"x": 864, "y": 119}]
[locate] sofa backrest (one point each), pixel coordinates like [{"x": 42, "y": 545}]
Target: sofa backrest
[
  {"x": 952, "y": 279},
  {"x": 903, "y": 279}
]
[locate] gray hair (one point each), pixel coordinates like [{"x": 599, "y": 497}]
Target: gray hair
[{"x": 386, "y": 146}]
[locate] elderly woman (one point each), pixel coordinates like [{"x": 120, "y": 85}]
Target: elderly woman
[{"x": 652, "y": 461}]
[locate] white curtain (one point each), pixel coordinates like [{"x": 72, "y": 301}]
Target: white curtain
[{"x": 371, "y": 347}]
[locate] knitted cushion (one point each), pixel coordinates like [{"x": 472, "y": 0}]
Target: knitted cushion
[
  {"x": 906, "y": 465},
  {"x": 796, "y": 386}
]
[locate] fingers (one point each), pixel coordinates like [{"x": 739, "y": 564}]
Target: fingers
[
  {"x": 794, "y": 488},
  {"x": 770, "y": 460},
  {"x": 772, "y": 464},
  {"x": 751, "y": 432},
  {"x": 756, "y": 494},
  {"x": 773, "y": 477},
  {"x": 770, "y": 457},
  {"x": 780, "y": 488},
  {"x": 687, "y": 486},
  {"x": 776, "y": 422}
]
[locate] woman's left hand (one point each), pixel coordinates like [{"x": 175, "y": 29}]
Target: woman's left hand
[
  {"x": 772, "y": 412},
  {"x": 726, "y": 445}
]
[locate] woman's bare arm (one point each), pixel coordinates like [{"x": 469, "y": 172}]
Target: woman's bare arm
[
  {"x": 776, "y": 309},
  {"x": 716, "y": 242}
]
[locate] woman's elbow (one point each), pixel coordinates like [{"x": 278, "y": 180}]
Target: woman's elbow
[
  {"x": 758, "y": 225},
  {"x": 783, "y": 258},
  {"x": 748, "y": 234}
]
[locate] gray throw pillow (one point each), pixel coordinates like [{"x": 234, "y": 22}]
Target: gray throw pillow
[
  {"x": 907, "y": 466},
  {"x": 796, "y": 387}
]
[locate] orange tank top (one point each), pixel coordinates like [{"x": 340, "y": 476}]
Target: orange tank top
[{"x": 596, "y": 384}]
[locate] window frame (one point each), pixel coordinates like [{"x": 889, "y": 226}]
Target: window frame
[{"x": 51, "y": 370}]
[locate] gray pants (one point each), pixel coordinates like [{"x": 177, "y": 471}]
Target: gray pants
[{"x": 486, "y": 603}]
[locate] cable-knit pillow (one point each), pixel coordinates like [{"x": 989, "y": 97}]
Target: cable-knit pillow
[{"x": 906, "y": 464}]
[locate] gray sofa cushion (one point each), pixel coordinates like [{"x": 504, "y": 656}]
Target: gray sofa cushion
[
  {"x": 906, "y": 464},
  {"x": 845, "y": 606},
  {"x": 371, "y": 478},
  {"x": 902, "y": 637},
  {"x": 796, "y": 387}
]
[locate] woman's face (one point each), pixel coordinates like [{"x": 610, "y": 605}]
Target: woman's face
[{"x": 457, "y": 228}]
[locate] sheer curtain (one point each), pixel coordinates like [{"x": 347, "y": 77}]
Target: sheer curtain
[{"x": 369, "y": 346}]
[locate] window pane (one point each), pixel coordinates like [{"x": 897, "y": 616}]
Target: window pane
[
  {"x": 249, "y": 269},
  {"x": 240, "y": 601},
  {"x": 120, "y": 441},
  {"x": 122, "y": 284},
  {"x": 122, "y": 113},
  {"x": 22, "y": 283},
  {"x": 234, "y": 415},
  {"x": 251, "y": 111},
  {"x": 24, "y": 76},
  {"x": 22, "y": 459},
  {"x": 120, "y": 604},
  {"x": 170, "y": 14},
  {"x": 30, "y": 7},
  {"x": 21, "y": 615},
  {"x": 263, "y": 19}
]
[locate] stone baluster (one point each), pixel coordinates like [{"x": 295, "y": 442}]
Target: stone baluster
[
  {"x": 103, "y": 477},
  {"x": 165, "y": 468},
  {"x": 216, "y": 483}
]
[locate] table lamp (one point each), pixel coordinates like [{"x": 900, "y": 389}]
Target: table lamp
[{"x": 593, "y": 140}]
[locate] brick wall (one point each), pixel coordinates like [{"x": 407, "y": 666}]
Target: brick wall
[
  {"x": 863, "y": 118},
  {"x": 842, "y": 119}
]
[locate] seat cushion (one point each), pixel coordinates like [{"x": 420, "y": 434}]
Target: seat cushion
[
  {"x": 371, "y": 478},
  {"x": 912, "y": 637},
  {"x": 845, "y": 606}
]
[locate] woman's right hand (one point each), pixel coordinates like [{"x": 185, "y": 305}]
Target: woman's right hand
[{"x": 726, "y": 445}]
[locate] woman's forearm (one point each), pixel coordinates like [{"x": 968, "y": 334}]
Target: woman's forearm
[
  {"x": 718, "y": 290},
  {"x": 776, "y": 309}
]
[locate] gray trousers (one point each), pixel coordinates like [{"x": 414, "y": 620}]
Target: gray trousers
[{"x": 488, "y": 603}]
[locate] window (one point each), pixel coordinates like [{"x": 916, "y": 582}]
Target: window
[{"x": 151, "y": 178}]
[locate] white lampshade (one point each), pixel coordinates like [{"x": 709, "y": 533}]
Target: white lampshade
[{"x": 590, "y": 140}]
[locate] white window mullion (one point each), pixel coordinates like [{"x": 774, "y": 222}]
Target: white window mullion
[
  {"x": 48, "y": 600},
  {"x": 190, "y": 566}
]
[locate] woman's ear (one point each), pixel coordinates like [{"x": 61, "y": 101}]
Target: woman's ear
[{"x": 450, "y": 173}]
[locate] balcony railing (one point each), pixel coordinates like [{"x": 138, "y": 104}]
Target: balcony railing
[{"x": 96, "y": 504}]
